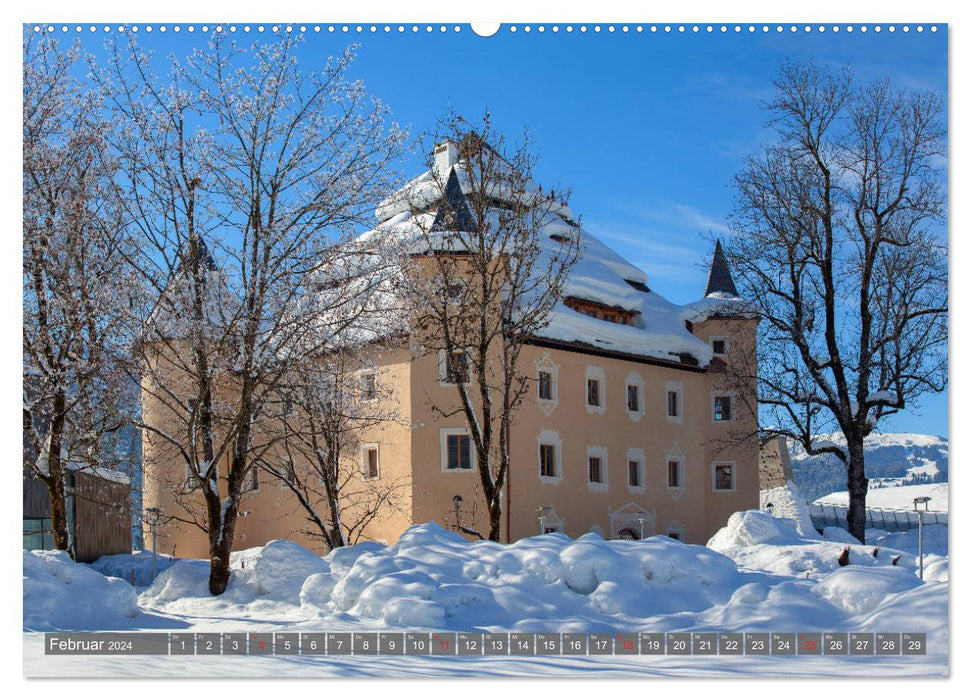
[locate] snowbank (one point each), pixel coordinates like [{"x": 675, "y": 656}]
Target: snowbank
[
  {"x": 137, "y": 565},
  {"x": 935, "y": 539},
  {"x": 752, "y": 527},
  {"x": 757, "y": 541},
  {"x": 280, "y": 567},
  {"x": 786, "y": 502},
  {"x": 434, "y": 578},
  {"x": 857, "y": 589},
  {"x": 60, "y": 594}
]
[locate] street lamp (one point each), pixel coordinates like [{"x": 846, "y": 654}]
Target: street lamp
[
  {"x": 457, "y": 502},
  {"x": 152, "y": 516},
  {"x": 921, "y": 500},
  {"x": 542, "y": 513},
  {"x": 640, "y": 521}
]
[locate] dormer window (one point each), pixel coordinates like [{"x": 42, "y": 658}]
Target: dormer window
[{"x": 603, "y": 312}]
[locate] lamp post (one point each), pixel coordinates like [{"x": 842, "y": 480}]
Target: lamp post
[
  {"x": 542, "y": 513},
  {"x": 640, "y": 521},
  {"x": 457, "y": 502},
  {"x": 920, "y": 529},
  {"x": 152, "y": 516}
]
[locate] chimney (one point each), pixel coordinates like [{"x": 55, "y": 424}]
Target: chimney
[{"x": 446, "y": 155}]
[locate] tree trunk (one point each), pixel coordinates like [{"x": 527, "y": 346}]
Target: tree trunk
[
  {"x": 856, "y": 484},
  {"x": 495, "y": 519},
  {"x": 219, "y": 552},
  {"x": 55, "y": 479}
]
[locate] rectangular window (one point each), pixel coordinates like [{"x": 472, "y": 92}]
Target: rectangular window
[
  {"x": 459, "y": 452},
  {"x": 545, "y": 386},
  {"x": 633, "y": 398},
  {"x": 547, "y": 460},
  {"x": 289, "y": 475},
  {"x": 723, "y": 408},
  {"x": 674, "y": 474},
  {"x": 719, "y": 346},
  {"x": 634, "y": 472},
  {"x": 724, "y": 477},
  {"x": 596, "y": 476},
  {"x": 593, "y": 392},
  {"x": 674, "y": 409},
  {"x": 191, "y": 478},
  {"x": 371, "y": 462},
  {"x": 457, "y": 367},
  {"x": 369, "y": 386},
  {"x": 252, "y": 480}
]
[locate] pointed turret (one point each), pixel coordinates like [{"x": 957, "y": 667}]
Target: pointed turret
[
  {"x": 453, "y": 214},
  {"x": 719, "y": 276}
]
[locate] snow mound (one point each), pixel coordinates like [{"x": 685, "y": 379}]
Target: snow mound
[
  {"x": 281, "y": 567},
  {"x": 60, "y": 594},
  {"x": 786, "y": 502},
  {"x": 754, "y": 527},
  {"x": 935, "y": 539},
  {"x": 857, "y": 589},
  {"x": 184, "y": 579},
  {"x": 435, "y": 578},
  {"x": 838, "y": 534},
  {"x": 316, "y": 589},
  {"x": 757, "y": 541},
  {"x": 137, "y": 565}
]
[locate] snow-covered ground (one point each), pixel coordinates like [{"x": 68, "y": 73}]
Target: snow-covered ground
[
  {"x": 759, "y": 574},
  {"x": 897, "y": 497}
]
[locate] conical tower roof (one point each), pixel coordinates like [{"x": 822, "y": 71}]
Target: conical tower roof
[
  {"x": 453, "y": 214},
  {"x": 719, "y": 276}
]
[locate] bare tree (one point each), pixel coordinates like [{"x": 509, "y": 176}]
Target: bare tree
[
  {"x": 244, "y": 171},
  {"x": 330, "y": 403},
  {"x": 490, "y": 264},
  {"x": 834, "y": 241},
  {"x": 76, "y": 278}
]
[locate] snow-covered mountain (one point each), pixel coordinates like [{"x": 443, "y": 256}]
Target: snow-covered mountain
[{"x": 892, "y": 459}]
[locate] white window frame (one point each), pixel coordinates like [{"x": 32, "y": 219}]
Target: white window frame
[
  {"x": 365, "y": 448},
  {"x": 193, "y": 482},
  {"x": 724, "y": 463},
  {"x": 361, "y": 378},
  {"x": 292, "y": 469},
  {"x": 678, "y": 388},
  {"x": 550, "y": 437},
  {"x": 635, "y": 380},
  {"x": 443, "y": 366},
  {"x": 731, "y": 399},
  {"x": 675, "y": 455},
  {"x": 443, "y": 435},
  {"x": 637, "y": 454},
  {"x": 723, "y": 338},
  {"x": 552, "y": 521},
  {"x": 596, "y": 373},
  {"x": 597, "y": 486},
  {"x": 252, "y": 475},
  {"x": 675, "y": 526},
  {"x": 546, "y": 364}
]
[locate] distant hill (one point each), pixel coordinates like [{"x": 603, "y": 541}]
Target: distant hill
[{"x": 892, "y": 459}]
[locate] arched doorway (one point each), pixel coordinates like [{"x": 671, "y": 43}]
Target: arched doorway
[{"x": 627, "y": 534}]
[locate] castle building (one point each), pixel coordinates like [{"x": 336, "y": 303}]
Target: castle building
[{"x": 633, "y": 426}]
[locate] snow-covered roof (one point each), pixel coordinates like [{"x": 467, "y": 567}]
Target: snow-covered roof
[{"x": 412, "y": 219}]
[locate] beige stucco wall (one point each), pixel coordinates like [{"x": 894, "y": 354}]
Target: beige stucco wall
[
  {"x": 410, "y": 450},
  {"x": 697, "y": 509},
  {"x": 272, "y": 511}
]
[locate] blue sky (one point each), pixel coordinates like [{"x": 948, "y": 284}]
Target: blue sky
[{"x": 646, "y": 128}]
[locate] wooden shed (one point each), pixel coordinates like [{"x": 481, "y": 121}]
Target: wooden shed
[{"x": 98, "y": 512}]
